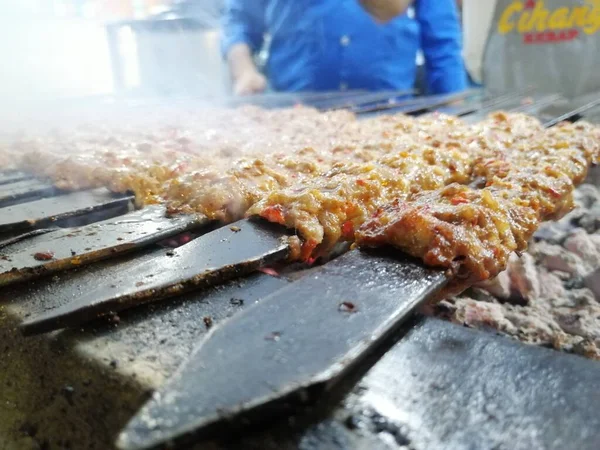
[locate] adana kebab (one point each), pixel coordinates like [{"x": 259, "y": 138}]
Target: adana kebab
[
  {"x": 471, "y": 231},
  {"x": 527, "y": 175},
  {"x": 474, "y": 231},
  {"x": 406, "y": 186}
]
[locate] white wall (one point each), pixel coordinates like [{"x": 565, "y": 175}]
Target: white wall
[
  {"x": 49, "y": 58},
  {"x": 44, "y": 59}
]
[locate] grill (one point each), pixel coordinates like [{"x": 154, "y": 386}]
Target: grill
[{"x": 57, "y": 247}]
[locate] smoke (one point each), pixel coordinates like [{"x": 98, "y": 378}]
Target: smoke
[
  {"x": 47, "y": 59},
  {"x": 205, "y": 12}
]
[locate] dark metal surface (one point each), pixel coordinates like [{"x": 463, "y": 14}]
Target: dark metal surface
[
  {"x": 466, "y": 389},
  {"x": 485, "y": 105},
  {"x": 486, "y": 394},
  {"x": 67, "y": 248},
  {"x": 19, "y": 237},
  {"x": 354, "y": 100},
  {"x": 527, "y": 104},
  {"x": 573, "y": 114},
  {"x": 146, "y": 345},
  {"x": 443, "y": 386},
  {"x": 23, "y": 190},
  {"x": 416, "y": 105},
  {"x": 549, "y": 109},
  {"x": 291, "y": 346},
  {"x": 12, "y": 177},
  {"x": 54, "y": 210},
  {"x": 215, "y": 257},
  {"x": 319, "y": 100}
]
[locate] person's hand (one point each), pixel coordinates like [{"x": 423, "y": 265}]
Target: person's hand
[{"x": 250, "y": 82}]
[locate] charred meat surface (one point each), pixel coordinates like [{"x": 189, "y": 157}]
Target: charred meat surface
[
  {"x": 385, "y": 180},
  {"x": 549, "y": 296}
]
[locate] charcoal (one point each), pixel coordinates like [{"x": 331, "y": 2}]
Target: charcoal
[
  {"x": 555, "y": 257},
  {"x": 586, "y": 348},
  {"x": 592, "y": 282},
  {"x": 499, "y": 286},
  {"x": 590, "y": 219},
  {"x": 551, "y": 286},
  {"x": 580, "y": 243},
  {"x": 524, "y": 280},
  {"x": 551, "y": 295},
  {"x": 574, "y": 283},
  {"x": 552, "y": 233},
  {"x": 476, "y": 314},
  {"x": 586, "y": 195},
  {"x": 582, "y": 298},
  {"x": 594, "y": 176},
  {"x": 581, "y": 322}
]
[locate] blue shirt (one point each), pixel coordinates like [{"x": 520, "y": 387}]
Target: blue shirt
[{"x": 335, "y": 44}]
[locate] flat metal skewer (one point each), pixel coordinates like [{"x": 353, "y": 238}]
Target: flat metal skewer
[
  {"x": 62, "y": 249},
  {"x": 257, "y": 244},
  {"x": 13, "y": 176},
  {"x": 54, "y": 210},
  {"x": 287, "y": 349},
  {"x": 24, "y": 190},
  {"x": 220, "y": 255}
]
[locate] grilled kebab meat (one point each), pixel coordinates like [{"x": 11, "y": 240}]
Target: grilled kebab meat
[
  {"x": 144, "y": 158},
  {"x": 474, "y": 231},
  {"x": 529, "y": 172},
  {"x": 386, "y": 180}
]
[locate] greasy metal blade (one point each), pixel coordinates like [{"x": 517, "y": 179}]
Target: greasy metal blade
[
  {"x": 531, "y": 105},
  {"x": 12, "y": 177},
  {"x": 220, "y": 255},
  {"x": 289, "y": 99},
  {"x": 417, "y": 105},
  {"x": 289, "y": 347},
  {"x": 485, "y": 106},
  {"x": 62, "y": 249},
  {"x": 53, "y": 210},
  {"x": 19, "y": 191},
  {"x": 573, "y": 115},
  {"x": 364, "y": 99}
]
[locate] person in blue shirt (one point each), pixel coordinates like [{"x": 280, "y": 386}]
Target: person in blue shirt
[{"x": 323, "y": 45}]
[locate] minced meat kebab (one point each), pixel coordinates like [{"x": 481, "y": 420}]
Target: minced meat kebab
[
  {"x": 550, "y": 296},
  {"x": 410, "y": 182}
]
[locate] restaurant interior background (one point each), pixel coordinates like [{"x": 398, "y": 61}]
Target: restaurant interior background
[{"x": 81, "y": 48}]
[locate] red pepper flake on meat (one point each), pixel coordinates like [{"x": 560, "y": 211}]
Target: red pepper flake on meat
[
  {"x": 307, "y": 249},
  {"x": 553, "y": 192},
  {"x": 351, "y": 209},
  {"x": 459, "y": 199},
  {"x": 274, "y": 214},
  {"x": 43, "y": 256},
  {"x": 348, "y": 229}
]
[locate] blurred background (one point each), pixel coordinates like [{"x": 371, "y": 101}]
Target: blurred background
[{"x": 78, "y": 48}]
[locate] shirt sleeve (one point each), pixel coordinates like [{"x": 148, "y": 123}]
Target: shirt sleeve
[
  {"x": 242, "y": 22},
  {"x": 441, "y": 44}
]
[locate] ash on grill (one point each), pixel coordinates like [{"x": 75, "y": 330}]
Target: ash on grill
[{"x": 549, "y": 296}]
